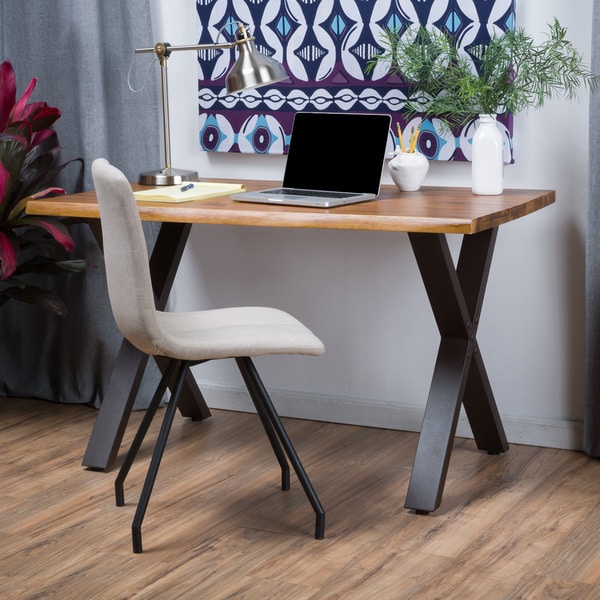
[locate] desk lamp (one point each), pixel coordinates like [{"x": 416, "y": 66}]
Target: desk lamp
[{"x": 251, "y": 69}]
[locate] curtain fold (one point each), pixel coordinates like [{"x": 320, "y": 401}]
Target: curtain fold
[
  {"x": 591, "y": 424},
  {"x": 80, "y": 51}
]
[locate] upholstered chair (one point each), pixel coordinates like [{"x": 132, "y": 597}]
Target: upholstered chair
[{"x": 189, "y": 338}]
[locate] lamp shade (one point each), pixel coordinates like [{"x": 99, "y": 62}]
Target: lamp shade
[{"x": 253, "y": 69}]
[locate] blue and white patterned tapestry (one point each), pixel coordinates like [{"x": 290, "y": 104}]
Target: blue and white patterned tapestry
[{"x": 324, "y": 46}]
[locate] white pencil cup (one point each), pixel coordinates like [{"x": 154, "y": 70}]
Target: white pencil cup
[{"x": 408, "y": 170}]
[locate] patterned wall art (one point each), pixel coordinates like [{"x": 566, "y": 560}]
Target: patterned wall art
[{"x": 324, "y": 46}]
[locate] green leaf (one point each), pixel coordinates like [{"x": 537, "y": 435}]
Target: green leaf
[
  {"x": 507, "y": 75},
  {"x": 51, "y": 266},
  {"x": 45, "y": 299}
]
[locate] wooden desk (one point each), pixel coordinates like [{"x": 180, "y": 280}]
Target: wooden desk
[{"x": 455, "y": 293}]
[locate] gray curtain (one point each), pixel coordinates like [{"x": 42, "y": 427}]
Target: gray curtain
[
  {"x": 591, "y": 441},
  {"x": 80, "y": 51}
]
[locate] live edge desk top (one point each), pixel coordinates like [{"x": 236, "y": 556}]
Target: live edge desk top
[
  {"x": 455, "y": 294},
  {"x": 430, "y": 210}
]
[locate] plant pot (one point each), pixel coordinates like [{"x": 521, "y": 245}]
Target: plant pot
[
  {"x": 487, "y": 168},
  {"x": 408, "y": 170}
]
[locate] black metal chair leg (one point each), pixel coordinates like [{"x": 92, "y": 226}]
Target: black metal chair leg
[
  {"x": 136, "y": 527},
  {"x": 268, "y": 427},
  {"x": 249, "y": 373},
  {"x": 141, "y": 432}
]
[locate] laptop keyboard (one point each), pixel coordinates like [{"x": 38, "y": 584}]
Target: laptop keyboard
[{"x": 314, "y": 193}]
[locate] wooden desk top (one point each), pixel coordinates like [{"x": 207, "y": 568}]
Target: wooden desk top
[{"x": 430, "y": 210}]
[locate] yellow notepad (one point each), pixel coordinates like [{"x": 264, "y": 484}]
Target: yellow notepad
[{"x": 183, "y": 193}]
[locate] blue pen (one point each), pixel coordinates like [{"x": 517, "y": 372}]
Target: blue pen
[{"x": 187, "y": 187}]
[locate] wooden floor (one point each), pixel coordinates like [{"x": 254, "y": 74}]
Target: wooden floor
[{"x": 521, "y": 525}]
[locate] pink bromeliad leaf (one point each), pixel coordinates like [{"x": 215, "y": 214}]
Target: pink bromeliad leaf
[
  {"x": 19, "y": 110},
  {"x": 41, "y": 135},
  {"x": 38, "y": 114},
  {"x": 8, "y": 92},
  {"x": 20, "y": 206},
  {"x": 4, "y": 182},
  {"x": 8, "y": 256},
  {"x": 15, "y": 137},
  {"x": 55, "y": 228},
  {"x": 48, "y": 190}
]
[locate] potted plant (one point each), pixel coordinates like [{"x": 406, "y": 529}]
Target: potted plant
[
  {"x": 507, "y": 75},
  {"x": 29, "y": 152}
]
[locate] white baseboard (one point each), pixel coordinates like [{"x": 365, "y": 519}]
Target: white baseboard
[{"x": 567, "y": 435}]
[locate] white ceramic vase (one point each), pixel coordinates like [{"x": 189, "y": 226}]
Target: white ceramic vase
[
  {"x": 408, "y": 170},
  {"x": 487, "y": 169}
]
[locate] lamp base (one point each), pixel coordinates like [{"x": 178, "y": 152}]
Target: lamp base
[{"x": 167, "y": 176}]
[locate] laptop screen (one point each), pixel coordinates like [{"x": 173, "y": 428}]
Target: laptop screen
[{"x": 337, "y": 151}]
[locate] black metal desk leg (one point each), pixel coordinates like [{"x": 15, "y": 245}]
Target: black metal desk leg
[
  {"x": 124, "y": 382},
  {"x": 473, "y": 269},
  {"x": 456, "y": 297},
  {"x": 481, "y": 409},
  {"x": 430, "y": 466},
  {"x": 111, "y": 421}
]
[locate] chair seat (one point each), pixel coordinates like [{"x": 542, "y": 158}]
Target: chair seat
[{"x": 232, "y": 332}]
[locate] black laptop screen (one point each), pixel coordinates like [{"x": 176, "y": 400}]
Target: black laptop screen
[{"x": 337, "y": 151}]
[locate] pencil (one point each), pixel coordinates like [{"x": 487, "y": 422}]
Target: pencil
[
  {"x": 410, "y": 140},
  {"x": 400, "y": 140},
  {"x": 414, "y": 136}
]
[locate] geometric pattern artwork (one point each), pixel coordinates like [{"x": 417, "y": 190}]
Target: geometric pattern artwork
[{"x": 325, "y": 46}]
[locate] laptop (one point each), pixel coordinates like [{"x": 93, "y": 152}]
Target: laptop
[{"x": 333, "y": 159}]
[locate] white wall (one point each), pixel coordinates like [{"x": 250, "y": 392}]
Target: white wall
[{"x": 361, "y": 292}]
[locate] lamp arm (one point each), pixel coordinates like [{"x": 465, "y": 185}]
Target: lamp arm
[{"x": 163, "y": 48}]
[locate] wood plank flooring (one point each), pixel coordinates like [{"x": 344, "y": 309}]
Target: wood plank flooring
[{"x": 521, "y": 525}]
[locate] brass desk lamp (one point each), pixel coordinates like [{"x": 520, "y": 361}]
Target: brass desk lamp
[{"x": 251, "y": 69}]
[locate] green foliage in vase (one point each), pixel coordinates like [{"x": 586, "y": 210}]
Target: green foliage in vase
[
  {"x": 509, "y": 74},
  {"x": 29, "y": 152}
]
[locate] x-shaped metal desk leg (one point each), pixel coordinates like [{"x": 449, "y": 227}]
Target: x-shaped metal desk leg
[
  {"x": 125, "y": 379},
  {"x": 456, "y": 297}
]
